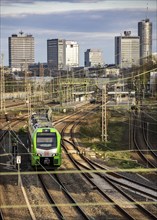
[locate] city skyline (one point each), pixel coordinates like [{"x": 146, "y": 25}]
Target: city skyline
[{"x": 93, "y": 24}]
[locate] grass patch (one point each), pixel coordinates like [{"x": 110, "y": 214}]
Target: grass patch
[
  {"x": 121, "y": 160},
  {"x": 122, "y": 164},
  {"x": 117, "y": 129},
  {"x": 118, "y": 139}
]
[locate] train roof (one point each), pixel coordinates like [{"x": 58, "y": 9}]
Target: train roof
[{"x": 40, "y": 121}]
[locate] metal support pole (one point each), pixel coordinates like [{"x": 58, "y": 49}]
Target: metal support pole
[
  {"x": 18, "y": 162},
  {"x": 19, "y": 177},
  {"x": 2, "y": 89},
  {"x": 104, "y": 114}
]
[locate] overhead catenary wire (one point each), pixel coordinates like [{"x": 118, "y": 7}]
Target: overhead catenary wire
[
  {"x": 131, "y": 170},
  {"x": 83, "y": 204}
]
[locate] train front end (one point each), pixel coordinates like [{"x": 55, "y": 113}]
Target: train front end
[{"x": 46, "y": 147}]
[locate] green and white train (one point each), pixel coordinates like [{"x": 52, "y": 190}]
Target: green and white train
[{"x": 45, "y": 142}]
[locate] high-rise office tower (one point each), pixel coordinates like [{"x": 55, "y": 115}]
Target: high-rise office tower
[
  {"x": 56, "y": 53},
  {"x": 145, "y": 34},
  {"x": 21, "y": 51},
  {"x": 62, "y": 54},
  {"x": 93, "y": 57},
  {"x": 127, "y": 50},
  {"x": 72, "y": 54}
]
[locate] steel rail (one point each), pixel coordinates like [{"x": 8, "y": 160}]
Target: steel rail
[
  {"x": 139, "y": 150},
  {"x": 50, "y": 199},
  {"x": 117, "y": 188}
]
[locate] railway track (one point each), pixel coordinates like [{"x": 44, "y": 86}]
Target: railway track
[
  {"x": 122, "y": 180},
  {"x": 140, "y": 142},
  {"x": 24, "y": 204},
  {"x": 65, "y": 205},
  {"x": 145, "y": 129},
  {"x": 112, "y": 190},
  {"x": 31, "y": 196},
  {"x": 141, "y": 208},
  {"x": 127, "y": 209},
  {"x": 117, "y": 177},
  {"x": 139, "y": 181},
  {"x": 4, "y": 210}
]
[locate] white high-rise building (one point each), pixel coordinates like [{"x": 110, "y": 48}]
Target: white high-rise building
[
  {"x": 72, "y": 54},
  {"x": 62, "y": 54},
  {"x": 127, "y": 50},
  {"x": 93, "y": 58},
  {"x": 21, "y": 51},
  {"x": 145, "y": 34}
]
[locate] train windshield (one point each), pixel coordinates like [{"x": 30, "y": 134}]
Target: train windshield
[{"x": 46, "y": 140}]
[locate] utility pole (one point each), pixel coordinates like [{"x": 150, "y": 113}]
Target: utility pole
[
  {"x": 2, "y": 89},
  {"x": 42, "y": 85},
  {"x": 29, "y": 100},
  {"x": 104, "y": 114},
  {"x": 26, "y": 82},
  {"x": 60, "y": 89},
  {"x": 27, "y": 91}
]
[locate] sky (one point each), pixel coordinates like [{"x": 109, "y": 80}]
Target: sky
[{"x": 92, "y": 23}]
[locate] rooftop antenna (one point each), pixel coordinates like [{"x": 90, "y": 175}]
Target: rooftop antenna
[
  {"x": 21, "y": 32},
  {"x": 147, "y": 11}
]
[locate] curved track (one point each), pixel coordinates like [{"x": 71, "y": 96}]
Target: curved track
[{"x": 142, "y": 210}]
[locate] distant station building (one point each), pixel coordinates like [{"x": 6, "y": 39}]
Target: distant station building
[
  {"x": 93, "y": 58},
  {"x": 21, "y": 51},
  {"x": 127, "y": 52},
  {"x": 82, "y": 96},
  {"x": 111, "y": 71}
]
